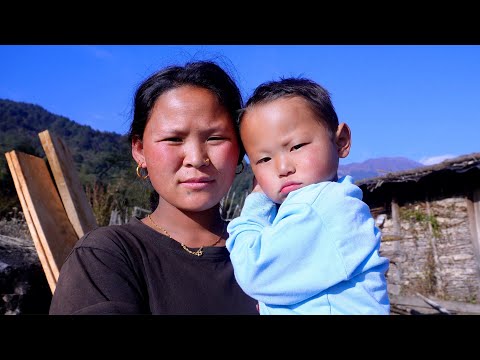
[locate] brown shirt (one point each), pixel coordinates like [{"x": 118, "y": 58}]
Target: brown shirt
[{"x": 133, "y": 269}]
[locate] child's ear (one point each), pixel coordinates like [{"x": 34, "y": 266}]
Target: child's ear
[
  {"x": 137, "y": 150},
  {"x": 343, "y": 139}
]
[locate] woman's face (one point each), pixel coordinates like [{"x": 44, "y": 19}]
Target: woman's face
[{"x": 187, "y": 126}]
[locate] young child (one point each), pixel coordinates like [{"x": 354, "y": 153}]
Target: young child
[{"x": 305, "y": 242}]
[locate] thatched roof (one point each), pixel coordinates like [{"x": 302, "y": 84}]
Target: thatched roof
[{"x": 459, "y": 164}]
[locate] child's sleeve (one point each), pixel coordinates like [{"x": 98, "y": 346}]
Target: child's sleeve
[{"x": 318, "y": 239}]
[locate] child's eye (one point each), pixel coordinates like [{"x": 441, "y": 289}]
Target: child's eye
[
  {"x": 263, "y": 160},
  {"x": 215, "y": 138},
  {"x": 296, "y": 147}
]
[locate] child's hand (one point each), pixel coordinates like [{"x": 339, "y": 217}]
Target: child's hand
[{"x": 256, "y": 186}]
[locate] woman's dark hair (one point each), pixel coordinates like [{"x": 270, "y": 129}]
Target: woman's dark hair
[
  {"x": 317, "y": 96},
  {"x": 204, "y": 74}
]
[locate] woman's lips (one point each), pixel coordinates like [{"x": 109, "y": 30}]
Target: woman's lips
[{"x": 197, "y": 184}]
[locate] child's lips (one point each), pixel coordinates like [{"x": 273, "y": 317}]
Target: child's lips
[{"x": 289, "y": 187}]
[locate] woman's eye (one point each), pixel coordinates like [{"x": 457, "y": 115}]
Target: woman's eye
[{"x": 173, "y": 139}]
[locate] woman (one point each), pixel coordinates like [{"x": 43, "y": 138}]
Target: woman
[{"x": 185, "y": 141}]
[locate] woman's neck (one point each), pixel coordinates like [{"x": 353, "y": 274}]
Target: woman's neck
[{"x": 193, "y": 228}]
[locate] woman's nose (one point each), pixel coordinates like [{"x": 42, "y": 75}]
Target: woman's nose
[{"x": 196, "y": 156}]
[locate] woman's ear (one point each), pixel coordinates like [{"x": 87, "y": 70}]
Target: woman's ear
[
  {"x": 137, "y": 150},
  {"x": 343, "y": 140}
]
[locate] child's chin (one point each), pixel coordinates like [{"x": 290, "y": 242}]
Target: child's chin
[{"x": 279, "y": 201}]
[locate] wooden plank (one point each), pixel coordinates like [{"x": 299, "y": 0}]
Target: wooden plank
[
  {"x": 391, "y": 238},
  {"x": 458, "y": 307},
  {"x": 13, "y": 166},
  {"x": 73, "y": 196},
  {"x": 47, "y": 220}
]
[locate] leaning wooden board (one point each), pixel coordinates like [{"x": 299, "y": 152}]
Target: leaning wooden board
[
  {"x": 68, "y": 183},
  {"x": 53, "y": 234}
]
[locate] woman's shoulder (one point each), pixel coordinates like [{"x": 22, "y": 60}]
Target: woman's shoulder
[{"x": 112, "y": 236}]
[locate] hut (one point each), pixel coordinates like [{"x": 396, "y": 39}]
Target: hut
[{"x": 430, "y": 222}]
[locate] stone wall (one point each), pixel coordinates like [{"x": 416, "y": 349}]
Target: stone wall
[{"x": 430, "y": 250}]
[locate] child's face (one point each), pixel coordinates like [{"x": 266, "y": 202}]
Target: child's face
[{"x": 288, "y": 147}]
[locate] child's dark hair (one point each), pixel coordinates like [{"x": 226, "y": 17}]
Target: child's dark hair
[{"x": 317, "y": 96}]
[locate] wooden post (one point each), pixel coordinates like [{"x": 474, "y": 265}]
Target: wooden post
[
  {"x": 397, "y": 231},
  {"x": 473, "y": 209},
  {"x": 433, "y": 245}
]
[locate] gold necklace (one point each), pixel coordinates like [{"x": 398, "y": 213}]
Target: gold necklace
[{"x": 199, "y": 252}]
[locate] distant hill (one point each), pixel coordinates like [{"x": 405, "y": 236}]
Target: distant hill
[
  {"x": 103, "y": 159},
  {"x": 94, "y": 152},
  {"x": 377, "y": 167}
]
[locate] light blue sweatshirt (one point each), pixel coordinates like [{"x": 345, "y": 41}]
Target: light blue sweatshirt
[{"x": 318, "y": 255}]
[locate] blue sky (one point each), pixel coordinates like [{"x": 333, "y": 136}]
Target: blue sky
[{"x": 417, "y": 101}]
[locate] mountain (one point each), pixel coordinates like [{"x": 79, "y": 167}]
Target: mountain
[
  {"x": 103, "y": 159},
  {"x": 94, "y": 152},
  {"x": 377, "y": 167}
]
